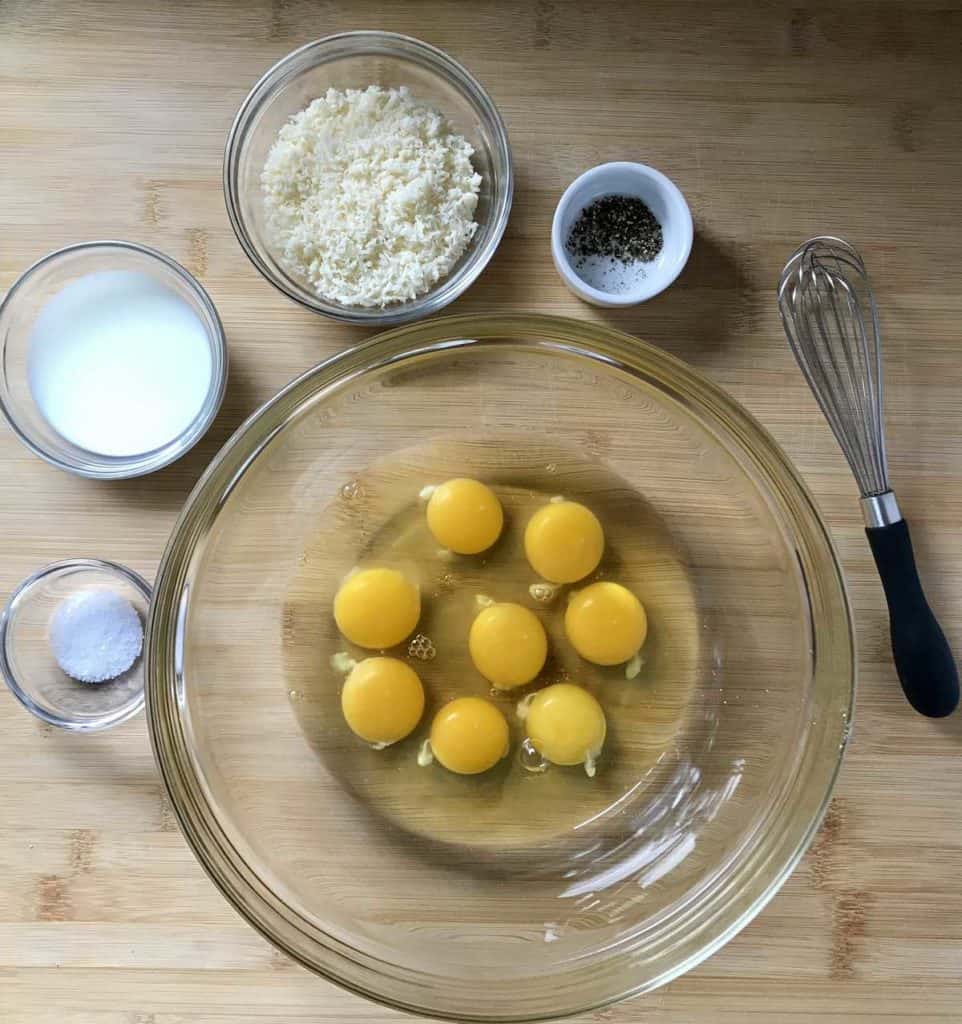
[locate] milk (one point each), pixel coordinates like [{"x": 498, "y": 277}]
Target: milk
[{"x": 119, "y": 363}]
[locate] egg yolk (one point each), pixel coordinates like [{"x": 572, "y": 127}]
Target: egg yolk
[
  {"x": 508, "y": 645},
  {"x": 564, "y": 542},
  {"x": 382, "y": 700},
  {"x": 606, "y": 623},
  {"x": 469, "y": 736},
  {"x": 465, "y": 516},
  {"x": 377, "y": 608},
  {"x": 566, "y": 725}
]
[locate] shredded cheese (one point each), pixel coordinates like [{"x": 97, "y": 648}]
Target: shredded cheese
[{"x": 369, "y": 196}]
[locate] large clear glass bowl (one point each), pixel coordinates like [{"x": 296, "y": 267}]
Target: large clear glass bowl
[
  {"x": 355, "y": 60},
  {"x": 507, "y": 896}
]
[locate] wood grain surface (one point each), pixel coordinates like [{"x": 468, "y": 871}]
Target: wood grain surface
[{"x": 778, "y": 121}]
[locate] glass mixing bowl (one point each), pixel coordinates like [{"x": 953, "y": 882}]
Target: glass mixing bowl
[
  {"x": 355, "y": 60},
  {"x": 508, "y": 896}
]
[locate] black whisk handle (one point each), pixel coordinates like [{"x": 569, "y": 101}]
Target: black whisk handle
[{"x": 922, "y": 657}]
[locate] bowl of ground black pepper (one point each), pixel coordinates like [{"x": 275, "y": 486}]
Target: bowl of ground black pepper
[{"x": 622, "y": 233}]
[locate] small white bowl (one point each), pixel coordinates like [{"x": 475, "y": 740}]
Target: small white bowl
[{"x": 665, "y": 201}]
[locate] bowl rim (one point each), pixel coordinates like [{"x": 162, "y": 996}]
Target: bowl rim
[
  {"x": 457, "y": 283},
  {"x": 760, "y": 872},
  {"x": 111, "y": 569},
  {"x": 647, "y": 290},
  {"x": 128, "y": 467}
]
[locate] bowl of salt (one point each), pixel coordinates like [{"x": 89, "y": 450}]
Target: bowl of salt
[{"x": 71, "y": 644}]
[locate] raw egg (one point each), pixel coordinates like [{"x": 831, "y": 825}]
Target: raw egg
[
  {"x": 566, "y": 725},
  {"x": 382, "y": 700},
  {"x": 606, "y": 623},
  {"x": 465, "y": 516},
  {"x": 469, "y": 735},
  {"x": 564, "y": 542},
  {"x": 377, "y": 608},
  {"x": 508, "y": 645}
]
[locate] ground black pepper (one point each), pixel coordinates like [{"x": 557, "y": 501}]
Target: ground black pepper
[{"x": 619, "y": 227}]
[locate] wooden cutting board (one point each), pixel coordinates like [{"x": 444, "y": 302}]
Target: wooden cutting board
[{"x": 778, "y": 121}]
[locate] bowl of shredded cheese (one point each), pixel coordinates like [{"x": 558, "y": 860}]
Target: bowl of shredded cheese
[{"x": 368, "y": 177}]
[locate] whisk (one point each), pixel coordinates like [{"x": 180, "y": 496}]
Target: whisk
[{"x": 831, "y": 320}]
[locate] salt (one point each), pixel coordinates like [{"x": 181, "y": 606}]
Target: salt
[
  {"x": 119, "y": 363},
  {"x": 95, "y": 635},
  {"x": 608, "y": 274}
]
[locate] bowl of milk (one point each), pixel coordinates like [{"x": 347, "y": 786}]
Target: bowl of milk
[{"x": 113, "y": 361}]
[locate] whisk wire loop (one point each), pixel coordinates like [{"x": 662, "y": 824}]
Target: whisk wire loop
[{"x": 831, "y": 321}]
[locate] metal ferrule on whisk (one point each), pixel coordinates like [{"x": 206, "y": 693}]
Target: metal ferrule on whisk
[{"x": 880, "y": 509}]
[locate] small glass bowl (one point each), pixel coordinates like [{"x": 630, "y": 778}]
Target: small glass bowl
[
  {"x": 28, "y": 664},
  {"x": 18, "y": 313},
  {"x": 357, "y": 60}
]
